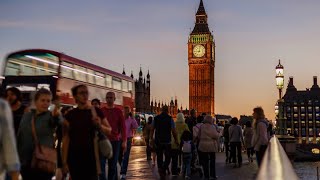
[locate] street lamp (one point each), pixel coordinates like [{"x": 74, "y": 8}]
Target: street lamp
[
  {"x": 281, "y": 124},
  {"x": 279, "y": 78}
]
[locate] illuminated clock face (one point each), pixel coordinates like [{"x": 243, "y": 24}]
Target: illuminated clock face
[{"x": 198, "y": 50}]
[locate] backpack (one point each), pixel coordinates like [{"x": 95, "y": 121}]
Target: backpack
[{"x": 187, "y": 147}]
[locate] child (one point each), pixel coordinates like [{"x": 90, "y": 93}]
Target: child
[{"x": 187, "y": 148}]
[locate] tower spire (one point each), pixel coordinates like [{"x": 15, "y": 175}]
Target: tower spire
[
  {"x": 123, "y": 72},
  {"x": 201, "y": 26},
  {"x": 201, "y": 10}
]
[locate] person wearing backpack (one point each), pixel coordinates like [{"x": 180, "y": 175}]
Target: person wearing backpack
[
  {"x": 187, "y": 148},
  {"x": 236, "y": 138}
]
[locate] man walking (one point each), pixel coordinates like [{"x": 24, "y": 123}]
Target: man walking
[
  {"x": 78, "y": 155},
  {"x": 163, "y": 126},
  {"x": 14, "y": 98},
  {"x": 116, "y": 120}
]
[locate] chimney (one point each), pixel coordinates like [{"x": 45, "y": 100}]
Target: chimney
[{"x": 315, "y": 83}]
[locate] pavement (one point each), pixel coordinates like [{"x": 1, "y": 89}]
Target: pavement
[{"x": 141, "y": 169}]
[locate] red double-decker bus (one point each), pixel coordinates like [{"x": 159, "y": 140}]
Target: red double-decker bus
[{"x": 29, "y": 70}]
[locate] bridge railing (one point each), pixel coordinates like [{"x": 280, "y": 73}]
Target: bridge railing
[{"x": 276, "y": 164}]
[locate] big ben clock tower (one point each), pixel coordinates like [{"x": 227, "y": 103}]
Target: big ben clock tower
[{"x": 201, "y": 60}]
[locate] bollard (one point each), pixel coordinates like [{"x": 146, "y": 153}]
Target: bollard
[{"x": 317, "y": 173}]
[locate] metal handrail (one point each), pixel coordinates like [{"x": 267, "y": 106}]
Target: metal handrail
[{"x": 276, "y": 164}]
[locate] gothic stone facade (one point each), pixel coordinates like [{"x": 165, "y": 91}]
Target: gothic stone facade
[{"x": 201, "y": 60}]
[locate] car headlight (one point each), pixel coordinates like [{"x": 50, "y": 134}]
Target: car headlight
[{"x": 137, "y": 138}]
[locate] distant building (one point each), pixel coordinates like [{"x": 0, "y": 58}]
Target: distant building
[
  {"x": 243, "y": 119},
  {"x": 142, "y": 92},
  {"x": 172, "y": 106},
  {"x": 223, "y": 119},
  {"x": 302, "y": 112}
]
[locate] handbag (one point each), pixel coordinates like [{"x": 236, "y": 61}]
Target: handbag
[
  {"x": 44, "y": 158},
  {"x": 104, "y": 144}
]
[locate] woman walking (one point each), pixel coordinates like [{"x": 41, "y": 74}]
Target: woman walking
[
  {"x": 248, "y": 134},
  {"x": 208, "y": 146},
  {"x": 260, "y": 133},
  {"x": 181, "y": 126},
  {"x": 235, "y": 135},
  {"x": 37, "y": 126}
]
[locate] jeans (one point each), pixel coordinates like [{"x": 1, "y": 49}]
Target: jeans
[
  {"x": 227, "y": 151},
  {"x": 166, "y": 150},
  {"x": 187, "y": 157},
  {"x": 174, "y": 161},
  {"x": 103, "y": 162},
  {"x": 112, "y": 163},
  {"x": 208, "y": 158},
  {"x": 125, "y": 160},
  {"x": 250, "y": 152},
  {"x": 236, "y": 152},
  {"x": 260, "y": 153}
]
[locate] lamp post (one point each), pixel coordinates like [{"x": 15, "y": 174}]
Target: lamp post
[{"x": 281, "y": 124}]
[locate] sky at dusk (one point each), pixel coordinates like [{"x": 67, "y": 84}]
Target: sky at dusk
[{"x": 250, "y": 38}]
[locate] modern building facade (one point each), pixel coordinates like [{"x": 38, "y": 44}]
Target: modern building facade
[
  {"x": 302, "y": 112},
  {"x": 201, "y": 61}
]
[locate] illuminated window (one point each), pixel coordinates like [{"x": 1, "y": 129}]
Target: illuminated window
[
  {"x": 116, "y": 83},
  {"x": 130, "y": 86},
  {"x": 318, "y": 123},
  {"x": 310, "y": 116},
  {"x": 100, "y": 81},
  {"x": 317, "y": 109},
  {"x": 79, "y": 73},
  {"x": 90, "y": 76},
  {"x": 66, "y": 70},
  {"x": 295, "y": 109},
  {"x": 303, "y": 116},
  {"x": 309, "y": 109},
  {"x": 317, "y": 116},
  {"x": 125, "y": 85},
  {"x": 31, "y": 64},
  {"x": 318, "y": 132},
  {"x": 303, "y": 109},
  {"x": 109, "y": 81},
  {"x": 295, "y": 115}
]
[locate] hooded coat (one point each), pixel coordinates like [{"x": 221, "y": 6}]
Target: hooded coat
[{"x": 181, "y": 126}]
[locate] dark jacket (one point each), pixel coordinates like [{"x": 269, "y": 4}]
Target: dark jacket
[{"x": 163, "y": 124}]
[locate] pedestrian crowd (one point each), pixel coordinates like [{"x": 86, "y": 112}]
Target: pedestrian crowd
[{"x": 89, "y": 140}]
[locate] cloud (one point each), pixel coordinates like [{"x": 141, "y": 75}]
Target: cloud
[{"x": 51, "y": 25}]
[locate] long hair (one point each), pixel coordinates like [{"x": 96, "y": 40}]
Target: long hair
[{"x": 258, "y": 111}]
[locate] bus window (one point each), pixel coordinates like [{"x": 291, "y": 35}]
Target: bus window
[
  {"x": 79, "y": 73},
  {"x": 12, "y": 69},
  {"x": 125, "y": 85},
  {"x": 109, "y": 81},
  {"x": 90, "y": 76},
  {"x": 31, "y": 65},
  {"x": 116, "y": 82},
  {"x": 130, "y": 86},
  {"x": 100, "y": 79},
  {"x": 66, "y": 70}
]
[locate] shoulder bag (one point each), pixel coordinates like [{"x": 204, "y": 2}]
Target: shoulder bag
[
  {"x": 104, "y": 144},
  {"x": 44, "y": 158}
]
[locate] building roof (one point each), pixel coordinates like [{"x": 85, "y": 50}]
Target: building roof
[{"x": 201, "y": 27}]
